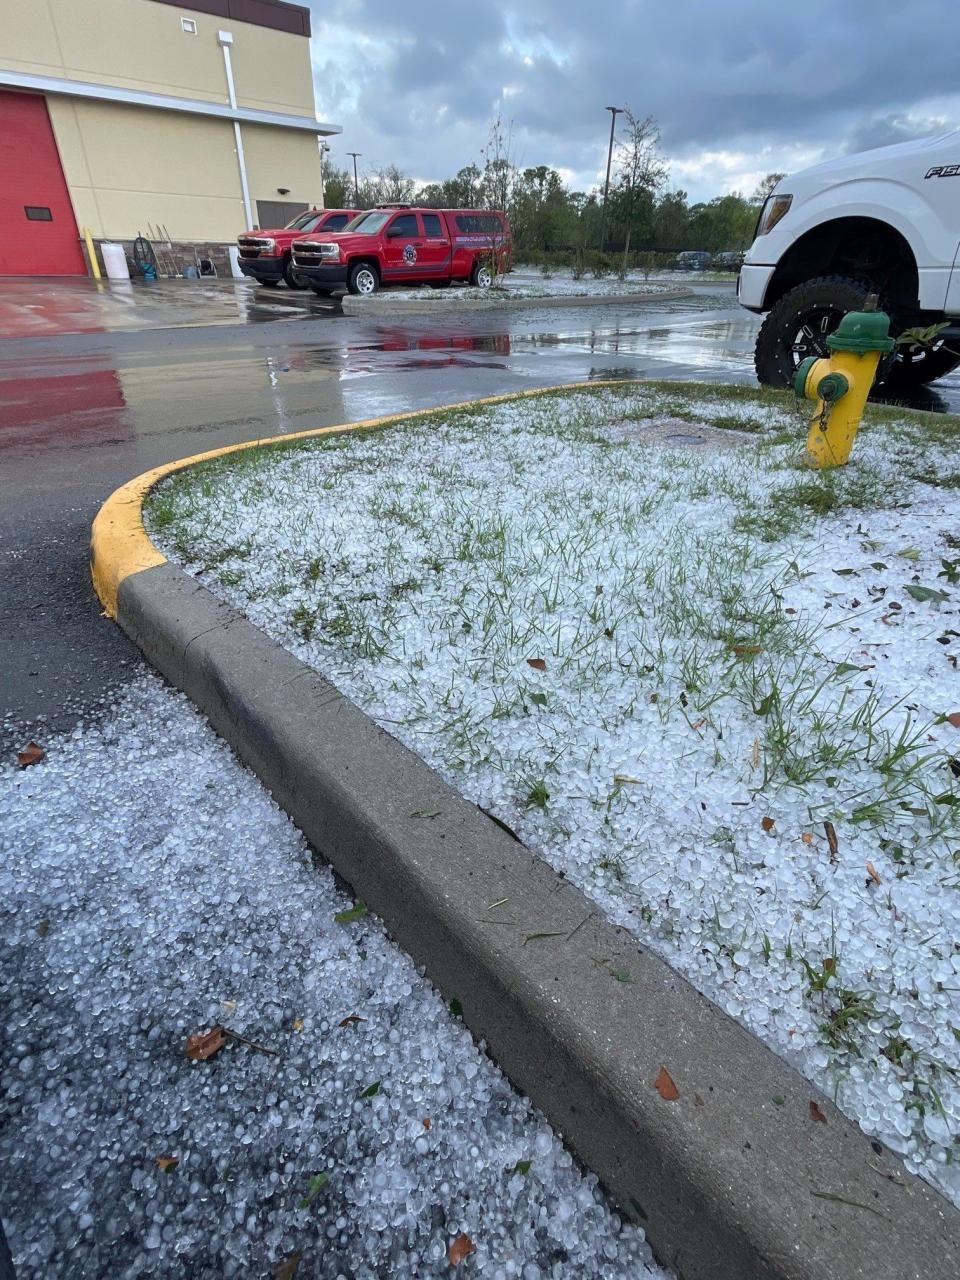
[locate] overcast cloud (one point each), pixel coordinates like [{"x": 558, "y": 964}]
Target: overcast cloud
[{"x": 739, "y": 87}]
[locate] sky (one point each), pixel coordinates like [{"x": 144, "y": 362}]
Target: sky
[{"x": 739, "y": 88}]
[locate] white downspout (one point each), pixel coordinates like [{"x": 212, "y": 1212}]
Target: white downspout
[{"x": 225, "y": 40}]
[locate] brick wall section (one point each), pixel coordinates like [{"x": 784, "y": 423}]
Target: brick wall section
[{"x": 175, "y": 259}]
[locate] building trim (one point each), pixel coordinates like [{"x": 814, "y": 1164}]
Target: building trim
[
  {"x": 161, "y": 102},
  {"x": 275, "y": 14}
]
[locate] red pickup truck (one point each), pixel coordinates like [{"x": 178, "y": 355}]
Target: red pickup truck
[
  {"x": 265, "y": 254},
  {"x": 396, "y": 244}
]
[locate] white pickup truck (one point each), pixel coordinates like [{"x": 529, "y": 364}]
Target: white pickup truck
[{"x": 886, "y": 222}]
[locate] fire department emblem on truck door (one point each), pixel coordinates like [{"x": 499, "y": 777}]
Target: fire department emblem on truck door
[{"x": 409, "y": 254}]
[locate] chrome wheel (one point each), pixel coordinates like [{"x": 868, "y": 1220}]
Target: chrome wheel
[
  {"x": 483, "y": 277},
  {"x": 366, "y": 280}
]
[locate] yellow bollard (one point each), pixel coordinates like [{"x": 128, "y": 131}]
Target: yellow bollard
[
  {"x": 91, "y": 253},
  {"x": 841, "y": 384}
]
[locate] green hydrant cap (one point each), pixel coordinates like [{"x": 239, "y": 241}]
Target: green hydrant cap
[
  {"x": 862, "y": 332},
  {"x": 800, "y": 378},
  {"x": 832, "y": 386}
]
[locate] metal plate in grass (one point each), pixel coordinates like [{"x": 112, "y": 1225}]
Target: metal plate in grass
[{"x": 675, "y": 433}]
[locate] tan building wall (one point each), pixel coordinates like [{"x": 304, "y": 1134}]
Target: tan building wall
[
  {"x": 127, "y": 165},
  {"x": 139, "y": 44}
]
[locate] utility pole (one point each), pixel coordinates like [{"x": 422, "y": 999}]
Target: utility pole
[
  {"x": 614, "y": 112},
  {"x": 324, "y": 149},
  {"x": 356, "y": 184}
]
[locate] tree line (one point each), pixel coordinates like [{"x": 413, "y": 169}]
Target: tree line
[{"x": 552, "y": 222}]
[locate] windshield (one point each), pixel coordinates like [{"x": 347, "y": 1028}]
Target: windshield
[
  {"x": 369, "y": 223},
  {"x": 304, "y": 221}
]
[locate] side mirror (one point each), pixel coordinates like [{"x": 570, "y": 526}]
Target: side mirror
[{"x": 394, "y": 233}]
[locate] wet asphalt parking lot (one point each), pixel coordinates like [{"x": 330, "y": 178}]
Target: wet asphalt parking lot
[{"x": 99, "y": 384}]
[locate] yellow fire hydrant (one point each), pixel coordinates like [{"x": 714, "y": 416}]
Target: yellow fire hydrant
[{"x": 840, "y": 385}]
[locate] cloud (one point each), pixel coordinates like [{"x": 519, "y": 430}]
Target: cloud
[{"x": 737, "y": 87}]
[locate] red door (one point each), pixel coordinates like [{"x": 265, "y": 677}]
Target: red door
[{"x": 38, "y": 232}]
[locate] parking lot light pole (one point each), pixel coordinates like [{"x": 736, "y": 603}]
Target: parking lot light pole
[
  {"x": 356, "y": 185},
  {"x": 614, "y": 112}
]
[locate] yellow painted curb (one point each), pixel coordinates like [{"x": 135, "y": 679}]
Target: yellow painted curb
[{"x": 120, "y": 545}]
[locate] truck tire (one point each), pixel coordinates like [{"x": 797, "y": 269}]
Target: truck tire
[
  {"x": 321, "y": 290},
  {"x": 363, "y": 279},
  {"x": 914, "y": 367},
  {"x": 481, "y": 277},
  {"x": 798, "y": 325},
  {"x": 290, "y": 277}
]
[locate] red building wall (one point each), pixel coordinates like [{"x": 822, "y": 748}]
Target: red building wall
[{"x": 31, "y": 177}]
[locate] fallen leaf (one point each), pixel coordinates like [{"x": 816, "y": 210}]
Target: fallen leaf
[
  {"x": 461, "y": 1248},
  {"x": 287, "y": 1269},
  {"x": 788, "y": 610},
  {"x": 30, "y": 754},
  {"x": 354, "y": 913},
  {"x": 229, "y": 1005},
  {"x": 854, "y": 1204},
  {"x": 768, "y": 824},
  {"x": 654, "y": 697},
  {"x": 698, "y": 724},
  {"x": 522, "y": 1167},
  {"x": 664, "y": 1085},
  {"x": 829, "y": 964},
  {"x": 164, "y": 1163},
  {"x": 298, "y": 1024},
  {"x": 456, "y": 1008},
  {"x": 371, "y": 1090},
  {"x": 621, "y": 975},
  {"x": 698, "y": 1101},
  {"x": 954, "y": 719},
  {"x": 743, "y": 650},
  {"x": 538, "y": 664},
  {"x": 816, "y": 1113},
  {"x": 532, "y": 937},
  {"x": 426, "y": 1122},
  {"x": 314, "y": 1187},
  {"x": 43, "y": 928},
  {"x": 425, "y": 813},
  {"x": 806, "y": 837},
  {"x": 349, "y": 1020},
  {"x": 925, "y": 594},
  {"x": 832, "y": 841},
  {"x": 204, "y": 1044},
  {"x": 755, "y": 753},
  {"x": 872, "y": 873}
]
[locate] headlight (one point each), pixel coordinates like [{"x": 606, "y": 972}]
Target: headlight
[
  {"x": 775, "y": 208},
  {"x": 268, "y": 244},
  {"x": 331, "y": 252}
]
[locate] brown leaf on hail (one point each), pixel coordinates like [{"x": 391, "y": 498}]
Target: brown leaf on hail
[
  {"x": 664, "y": 1085},
  {"x": 806, "y": 837},
  {"x": 349, "y": 1020},
  {"x": 816, "y": 1113},
  {"x": 298, "y": 1024},
  {"x": 30, "y": 754},
  {"x": 167, "y": 1162},
  {"x": 768, "y": 824},
  {"x": 287, "y": 1269},
  {"x": 538, "y": 664},
  {"x": 204, "y": 1044},
  {"x": 872, "y": 873},
  {"x": 461, "y": 1248},
  {"x": 698, "y": 724},
  {"x": 832, "y": 841},
  {"x": 427, "y": 1122},
  {"x": 954, "y": 718},
  {"x": 741, "y": 650}
]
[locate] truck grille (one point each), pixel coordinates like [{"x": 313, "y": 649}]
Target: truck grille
[
  {"x": 250, "y": 246},
  {"x": 308, "y": 253}
]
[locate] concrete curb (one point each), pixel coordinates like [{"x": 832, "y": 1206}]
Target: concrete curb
[
  {"x": 382, "y": 304},
  {"x": 732, "y": 1180}
]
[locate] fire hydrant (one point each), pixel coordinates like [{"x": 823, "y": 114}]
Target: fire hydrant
[{"x": 840, "y": 385}]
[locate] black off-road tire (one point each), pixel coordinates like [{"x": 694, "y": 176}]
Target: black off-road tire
[
  {"x": 798, "y": 325},
  {"x": 914, "y": 367}
]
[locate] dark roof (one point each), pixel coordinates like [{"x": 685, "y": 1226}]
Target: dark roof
[{"x": 275, "y": 14}]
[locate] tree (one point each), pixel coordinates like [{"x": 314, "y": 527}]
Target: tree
[
  {"x": 642, "y": 173},
  {"x": 387, "y": 186},
  {"x": 765, "y": 187},
  {"x": 337, "y": 187},
  {"x": 671, "y": 221}
]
